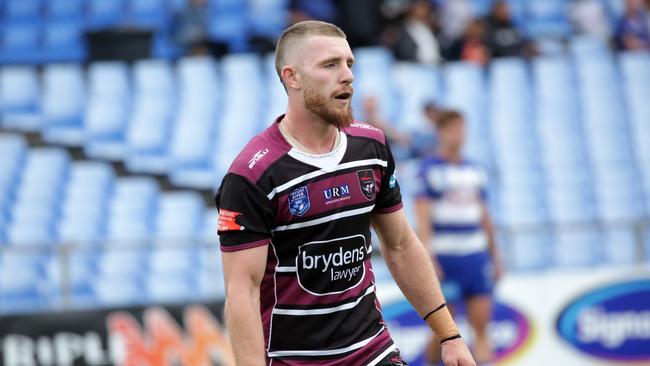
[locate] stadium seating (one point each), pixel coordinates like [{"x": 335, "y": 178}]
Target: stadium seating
[
  {"x": 565, "y": 139},
  {"x": 148, "y": 131},
  {"x": 19, "y": 98},
  {"x": 105, "y": 119},
  {"x": 63, "y": 100}
]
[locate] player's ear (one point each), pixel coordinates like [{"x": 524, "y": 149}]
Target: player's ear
[{"x": 290, "y": 77}]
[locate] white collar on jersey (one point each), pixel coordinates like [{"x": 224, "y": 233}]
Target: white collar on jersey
[{"x": 327, "y": 161}]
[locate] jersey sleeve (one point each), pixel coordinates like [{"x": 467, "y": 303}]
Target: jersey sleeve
[
  {"x": 390, "y": 196},
  {"x": 245, "y": 214}
]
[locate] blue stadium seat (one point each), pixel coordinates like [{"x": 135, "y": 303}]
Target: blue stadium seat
[
  {"x": 510, "y": 115},
  {"x": 208, "y": 233},
  {"x": 547, "y": 19},
  {"x": 585, "y": 47},
  {"x": 242, "y": 108},
  {"x": 170, "y": 227},
  {"x": 153, "y": 14},
  {"x": 372, "y": 78},
  {"x": 149, "y": 128},
  {"x": 108, "y": 107},
  {"x": 119, "y": 290},
  {"x": 210, "y": 272},
  {"x": 85, "y": 203},
  {"x": 65, "y": 9},
  {"x": 63, "y": 99},
  {"x": 24, "y": 286},
  {"x": 570, "y": 204},
  {"x": 37, "y": 203},
  {"x": 576, "y": 247},
  {"x": 63, "y": 41},
  {"x": 131, "y": 209},
  {"x": 620, "y": 246},
  {"x": 19, "y": 98},
  {"x": 230, "y": 27},
  {"x": 20, "y": 43},
  {"x": 276, "y": 97},
  {"x": 635, "y": 69},
  {"x": 22, "y": 10},
  {"x": 170, "y": 288},
  {"x": 525, "y": 212},
  {"x": 528, "y": 250},
  {"x": 192, "y": 143},
  {"x": 416, "y": 85},
  {"x": 105, "y": 13},
  {"x": 267, "y": 18},
  {"x": 465, "y": 90},
  {"x": 13, "y": 149},
  {"x": 122, "y": 261}
]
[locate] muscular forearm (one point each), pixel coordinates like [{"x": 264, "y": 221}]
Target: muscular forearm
[
  {"x": 245, "y": 328},
  {"x": 413, "y": 272}
]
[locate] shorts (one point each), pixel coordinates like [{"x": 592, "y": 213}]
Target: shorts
[
  {"x": 466, "y": 276},
  {"x": 393, "y": 359}
]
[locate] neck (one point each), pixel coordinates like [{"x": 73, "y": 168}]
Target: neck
[
  {"x": 450, "y": 154},
  {"x": 312, "y": 132}
]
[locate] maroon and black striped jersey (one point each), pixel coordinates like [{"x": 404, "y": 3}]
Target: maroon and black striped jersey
[{"x": 318, "y": 302}]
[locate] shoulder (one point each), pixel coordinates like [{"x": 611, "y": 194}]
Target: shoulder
[
  {"x": 257, "y": 156},
  {"x": 362, "y": 129}
]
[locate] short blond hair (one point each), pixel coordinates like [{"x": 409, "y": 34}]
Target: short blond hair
[{"x": 299, "y": 31}]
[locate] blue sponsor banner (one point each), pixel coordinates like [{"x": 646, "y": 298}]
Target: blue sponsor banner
[
  {"x": 511, "y": 331},
  {"x": 611, "y": 322}
]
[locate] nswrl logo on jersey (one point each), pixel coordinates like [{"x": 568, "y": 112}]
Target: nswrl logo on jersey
[
  {"x": 367, "y": 182},
  {"x": 299, "y": 202}
]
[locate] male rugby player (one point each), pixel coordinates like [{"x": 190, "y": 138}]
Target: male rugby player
[{"x": 295, "y": 211}]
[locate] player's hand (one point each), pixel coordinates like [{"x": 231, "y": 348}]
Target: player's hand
[{"x": 456, "y": 353}]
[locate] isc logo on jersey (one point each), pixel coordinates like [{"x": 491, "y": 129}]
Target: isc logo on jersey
[
  {"x": 257, "y": 157},
  {"x": 332, "y": 266},
  {"x": 612, "y": 322}
]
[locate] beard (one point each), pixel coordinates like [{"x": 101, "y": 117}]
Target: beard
[{"x": 317, "y": 105}]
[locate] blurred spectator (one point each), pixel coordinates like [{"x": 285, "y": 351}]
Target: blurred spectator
[
  {"x": 503, "y": 37},
  {"x": 417, "y": 40},
  {"x": 361, "y": 20},
  {"x": 632, "y": 30},
  {"x": 456, "y": 15},
  {"x": 190, "y": 30},
  {"x": 324, "y": 10},
  {"x": 589, "y": 18},
  {"x": 360, "y": 30},
  {"x": 472, "y": 47},
  {"x": 400, "y": 142},
  {"x": 455, "y": 227}
]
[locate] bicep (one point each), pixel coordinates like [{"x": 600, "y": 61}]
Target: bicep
[{"x": 244, "y": 268}]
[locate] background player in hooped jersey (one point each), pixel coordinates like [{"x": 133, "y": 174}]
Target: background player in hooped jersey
[
  {"x": 454, "y": 223},
  {"x": 295, "y": 211}
]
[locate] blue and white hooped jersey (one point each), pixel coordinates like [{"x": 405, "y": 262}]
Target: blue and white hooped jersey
[{"x": 456, "y": 191}]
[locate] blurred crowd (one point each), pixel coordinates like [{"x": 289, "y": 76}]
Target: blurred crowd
[{"x": 435, "y": 31}]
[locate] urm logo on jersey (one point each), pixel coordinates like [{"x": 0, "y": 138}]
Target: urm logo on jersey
[{"x": 336, "y": 194}]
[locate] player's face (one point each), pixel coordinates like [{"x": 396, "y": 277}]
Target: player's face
[
  {"x": 453, "y": 135},
  {"x": 327, "y": 79}
]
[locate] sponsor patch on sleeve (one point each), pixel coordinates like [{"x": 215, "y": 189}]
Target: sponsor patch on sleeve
[{"x": 227, "y": 221}]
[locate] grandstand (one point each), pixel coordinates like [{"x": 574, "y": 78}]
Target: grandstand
[{"x": 106, "y": 165}]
